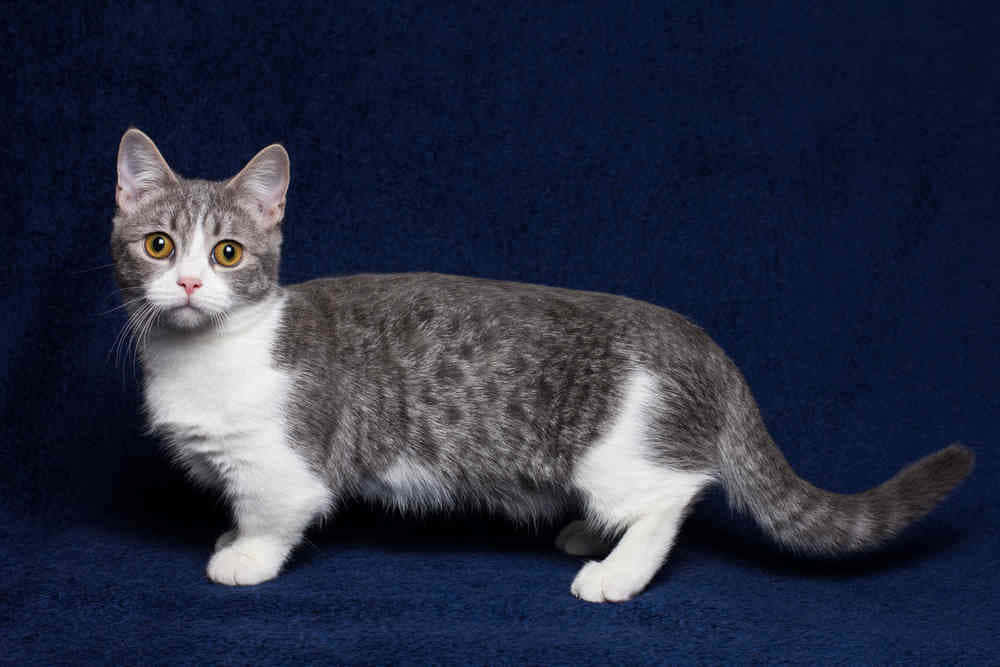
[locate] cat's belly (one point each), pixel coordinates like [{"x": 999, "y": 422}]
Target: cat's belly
[{"x": 407, "y": 484}]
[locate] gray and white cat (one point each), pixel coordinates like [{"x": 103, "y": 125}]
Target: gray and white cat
[{"x": 432, "y": 391}]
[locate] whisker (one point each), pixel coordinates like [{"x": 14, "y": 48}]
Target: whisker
[
  {"x": 114, "y": 346},
  {"x": 120, "y": 306},
  {"x": 124, "y": 335},
  {"x": 93, "y": 268},
  {"x": 142, "y": 338},
  {"x": 137, "y": 339},
  {"x": 121, "y": 343},
  {"x": 122, "y": 290}
]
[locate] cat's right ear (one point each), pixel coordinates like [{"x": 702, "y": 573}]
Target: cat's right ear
[{"x": 142, "y": 171}]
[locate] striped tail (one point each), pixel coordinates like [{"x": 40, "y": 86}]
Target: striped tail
[{"x": 799, "y": 515}]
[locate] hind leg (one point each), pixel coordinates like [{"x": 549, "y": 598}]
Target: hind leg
[
  {"x": 634, "y": 561},
  {"x": 579, "y": 539},
  {"x": 625, "y": 486}
]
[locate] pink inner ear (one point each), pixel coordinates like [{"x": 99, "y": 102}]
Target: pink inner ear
[
  {"x": 263, "y": 182},
  {"x": 140, "y": 169},
  {"x": 124, "y": 192},
  {"x": 267, "y": 196}
]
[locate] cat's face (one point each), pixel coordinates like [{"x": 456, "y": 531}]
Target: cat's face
[{"x": 194, "y": 251}]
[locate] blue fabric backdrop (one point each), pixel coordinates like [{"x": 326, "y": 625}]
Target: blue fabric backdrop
[{"x": 814, "y": 183}]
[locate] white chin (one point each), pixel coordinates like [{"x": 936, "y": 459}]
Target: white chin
[{"x": 187, "y": 317}]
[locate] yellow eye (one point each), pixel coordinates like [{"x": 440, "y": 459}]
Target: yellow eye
[
  {"x": 158, "y": 245},
  {"x": 228, "y": 253}
]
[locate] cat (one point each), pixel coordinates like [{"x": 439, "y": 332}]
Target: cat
[{"x": 429, "y": 391}]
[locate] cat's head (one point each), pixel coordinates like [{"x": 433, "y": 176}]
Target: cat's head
[{"x": 194, "y": 251}]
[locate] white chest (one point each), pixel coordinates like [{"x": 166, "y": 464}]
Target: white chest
[{"x": 218, "y": 384}]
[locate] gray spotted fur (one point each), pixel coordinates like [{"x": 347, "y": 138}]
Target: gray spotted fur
[{"x": 501, "y": 387}]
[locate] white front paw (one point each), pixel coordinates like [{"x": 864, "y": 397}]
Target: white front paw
[
  {"x": 247, "y": 561},
  {"x": 603, "y": 582}
]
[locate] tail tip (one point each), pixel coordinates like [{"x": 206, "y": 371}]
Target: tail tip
[{"x": 957, "y": 459}]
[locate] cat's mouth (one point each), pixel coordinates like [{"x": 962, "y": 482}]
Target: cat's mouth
[
  {"x": 186, "y": 313},
  {"x": 187, "y": 306}
]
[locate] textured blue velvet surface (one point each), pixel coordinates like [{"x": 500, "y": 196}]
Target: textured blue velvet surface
[{"x": 814, "y": 183}]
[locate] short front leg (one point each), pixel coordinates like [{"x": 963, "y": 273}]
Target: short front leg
[
  {"x": 275, "y": 496},
  {"x": 268, "y": 527}
]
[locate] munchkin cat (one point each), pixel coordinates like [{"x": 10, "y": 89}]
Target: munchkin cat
[{"x": 428, "y": 391}]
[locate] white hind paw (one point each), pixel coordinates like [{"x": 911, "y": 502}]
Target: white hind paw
[
  {"x": 577, "y": 539},
  {"x": 603, "y": 582}
]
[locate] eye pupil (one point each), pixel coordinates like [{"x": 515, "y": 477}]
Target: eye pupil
[
  {"x": 228, "y": 251},
  {"x": 159, "y": 243}
]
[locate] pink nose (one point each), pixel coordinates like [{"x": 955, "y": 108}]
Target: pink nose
[{"x": 189, "y": 284}]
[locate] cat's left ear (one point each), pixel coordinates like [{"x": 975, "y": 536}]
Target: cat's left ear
[{"x": 263, "y": 183}]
